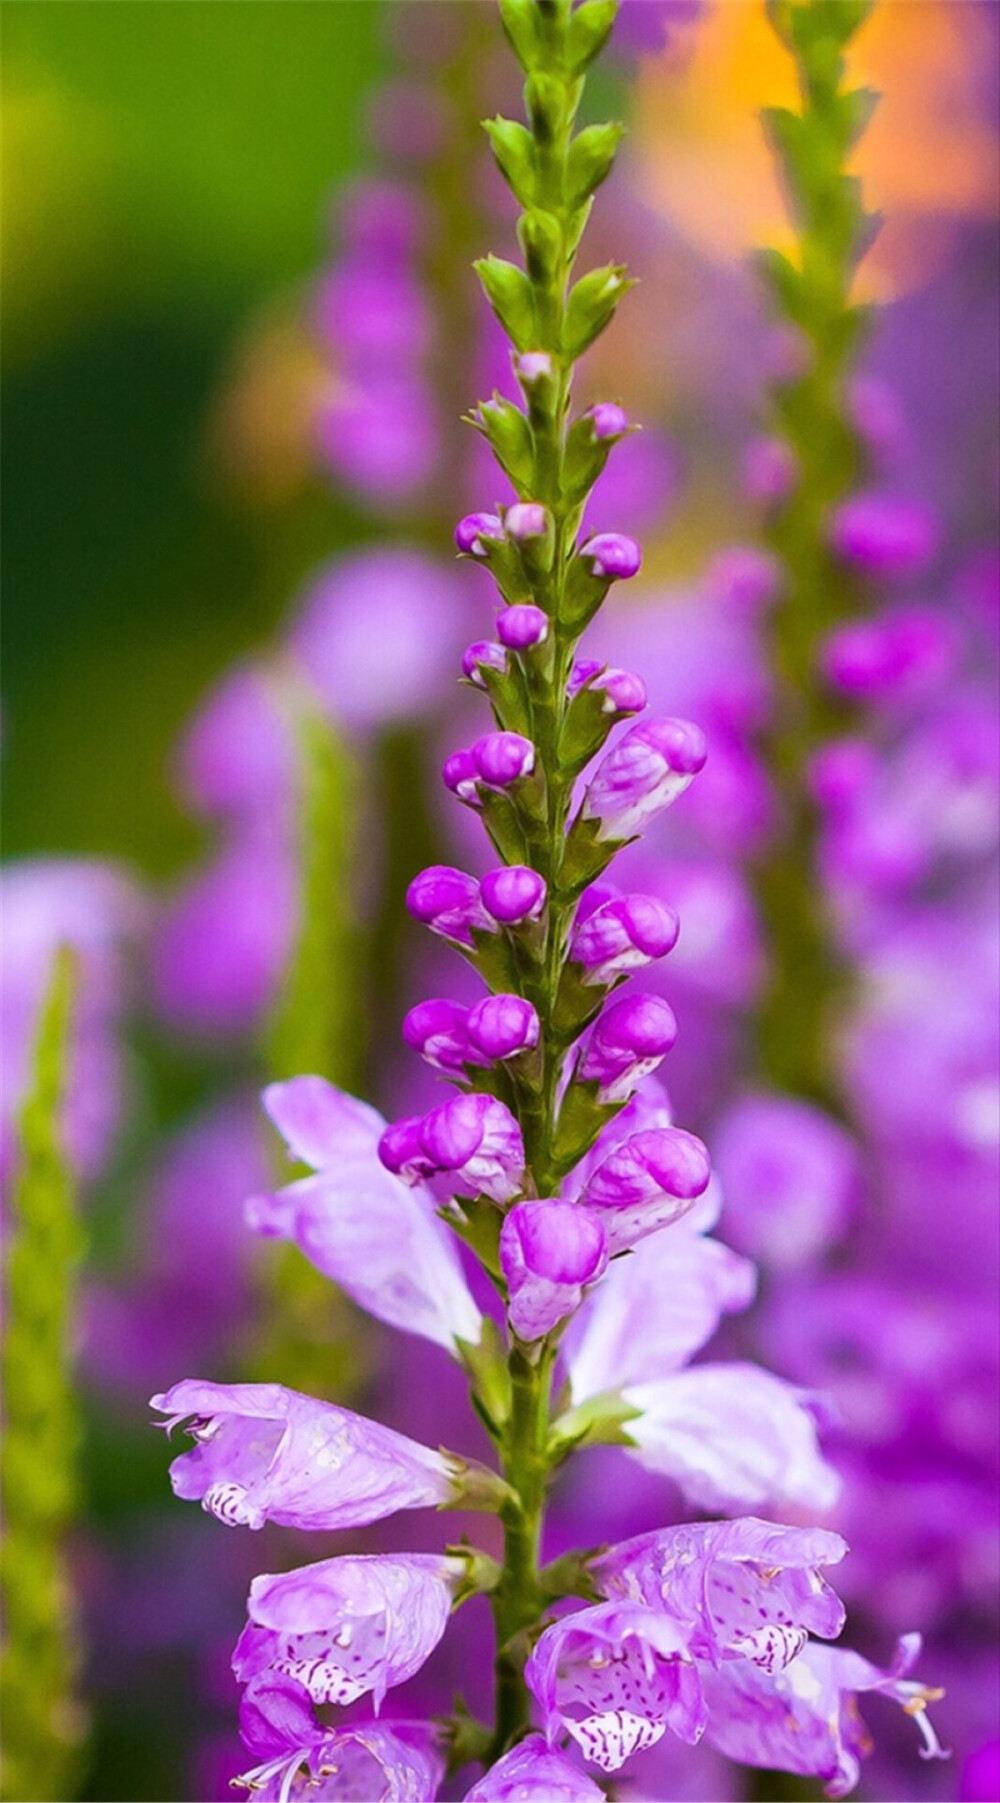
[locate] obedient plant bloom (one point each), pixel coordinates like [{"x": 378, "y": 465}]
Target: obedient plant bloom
[
  {"x": 743, "y": 1589},
  {"x": 376, "y": 1237},
  {"x": 300, "y": 1758},
  {"x": 547, "y": 1163},
  {"x": 350, "y": 1625},
  {"x": 534, "y": 1770},
  {"x": 264, "y": 1453},
  {"x": 616, "y": 1677}
]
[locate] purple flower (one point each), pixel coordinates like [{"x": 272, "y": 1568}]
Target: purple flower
[
  {"x": 522, "y": 626},
  {"x": 513, "y": 894},
  {"x": 238, "y": 754},
  {"x": 615, "y": 1677},
  {"x": 549, "y": 1252},
  {"x": 770, "y": 471},
  {"x": 375, "y": 313},
  {"x": 901, "y": 651},
  {"x": 744, "y": 1589},
  {"x": 743, "y": 579},
  {"x": 791, "y": 1174},
  {"x": 377, "y": 635},
  {"x": 472, "y": 1138},
  {"x": 380, "y": 434},
  {"x": 623, "y": 934},
  {"x": 438, "y": 1030},
  {"x": 501, "y": 1026},
  {"x": 533, "y": 366},
  {"x": 346, "y": 1626},
  {"x": 501, "y": 758},
  {"x": 623, "y": 692},
  {"x": 646, "y": 1183},
  {"x": 302, "y": 1759},
  {"x": 885, "y": 535},
  {"x": 608, "y": 420},
  {"x": 265, "y": 1453},
  {"x": 804, "y": 1718},
  {"x": 474, "y": 529},
  {"x": 447, "y": 901},
  {"x": 733, "y": 1437},
  {"x": 484, "y": 654},
  {"x": 376, "y": 1237},
  {"x": 224, "y": 940},
  {"x": 613, "y": 555},
  {"x": 628, "y": 1041},
  {"x": 642, "y": 774},
  {"x": 533, "y": 1772}
]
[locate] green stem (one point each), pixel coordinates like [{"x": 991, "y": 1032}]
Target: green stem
[{"x": 519, "y": 1601}]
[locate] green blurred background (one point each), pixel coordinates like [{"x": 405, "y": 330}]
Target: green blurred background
[{"x": 168, "y": 167}]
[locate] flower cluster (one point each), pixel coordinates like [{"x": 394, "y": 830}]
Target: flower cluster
[{"x": 582, "y": 1201}]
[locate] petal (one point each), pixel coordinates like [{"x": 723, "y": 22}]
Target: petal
[{"x": 320, "y": 1123}]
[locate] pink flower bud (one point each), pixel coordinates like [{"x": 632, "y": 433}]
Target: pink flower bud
[
  {"x": 474, "y": 528},
  {"x": 548, "y": 1252},
  {"x": 484, "y": 654},
  {"x": 477, "y": 1139},
  {"x": 884, "y": 535},
  {"x": 608, "y": 420},
  {"x": 613, "y": 555},
  {"x": 642, "y": 775},
  {"x": 521, "y": 626},
  {"x": 460, "y": 774},
  {"x": 501, "y": 1026},
  {"x": 624, "y": 934},
  {"x": 629, "y": 1040},
  {"x": 503, "y": 757},
  {"x": 447, "y": 901},
  {"x": 623, "y": 692},
  {"x": 400, "y": 1150},
  {"x": 437, "y": 1030},
  {"x": 646, "y": 1183},
  {"x": 513, "y": 894},
  {"x": 533, "y": 366},
  {"x": 525, "y": 520},
  {"x": 883, "y": 656}
]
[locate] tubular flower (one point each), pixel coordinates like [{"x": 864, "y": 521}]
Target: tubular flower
[
  {"x": 549, "y": 1253},
  {"x": 533, "y": 1773},
  {"x": 641, "y": 775},
  {"x": 264, "y": 1453}
]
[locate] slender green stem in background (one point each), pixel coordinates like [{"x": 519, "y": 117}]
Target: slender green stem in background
[
  {"x": 44, "y": 1725},
  {"x": 812, "y": 292}
]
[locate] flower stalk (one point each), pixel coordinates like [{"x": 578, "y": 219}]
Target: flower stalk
[
  {"x": 812, "y": 292},
  {"x": 44, "y": 1724}
]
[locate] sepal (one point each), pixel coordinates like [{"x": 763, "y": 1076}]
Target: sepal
[
  {"x": 591, "y": 305},
  {"x": 601, "y": 1421},
  {"x": 486, "y": 1366},
  {"x": 589, "y": 30},
  {"x": 585, "y": 457},
  {"x": 520, "y": 22},
  {"x": 510, "y": 438},
  {"x": 589, "y": 163},
  {"x": 581, "y": 1118},
  {"x": 548, "y": 102},
  {"x": 511, "y": 296},
  {"x": 585, "y": 855},
  {"x": 514, "y": 152},
  {"x": 477, "y": 1221}
]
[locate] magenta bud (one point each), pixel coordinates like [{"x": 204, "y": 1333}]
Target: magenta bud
[
  {"x": 622, "y": 935},
  {"x": 533, "y": 366},
  {"x": 769, "y": 471},
  {"x": 584, "y": 670},
  {"x": 521, "y": 626},
  {"x": 839, "y": 772},
  {"x": 623, "y": 692},
  {"x": 548, "y": 1252},
  {"x": 647, "y": 1182},
  {"x": 608, "y": 420},
  {"x": 500, "y": 758},
  {"x": 437, "y": 1029},
  {"x": 744, "y": 578},
  {"x": 474, "y": 528},
  {"x": 526, "y": 520},
  {"x": 460, "y": 774},
  {"x": 484, "y": 654},
  {"x": 501, "y": 1026},
  {"x": 884, "y": 534},
  {"x": 477, "y": 1139},
  {"x": 641, "y": 775},
  {"x": 401, "y": 1152},
  {"x": 626, "y": 1043},
  {"x": 612, "y": 554},
  {"x": 882, "y": 656},
  {"x": 447, "y": 901},
  {"x": 513, "y": 894}
]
